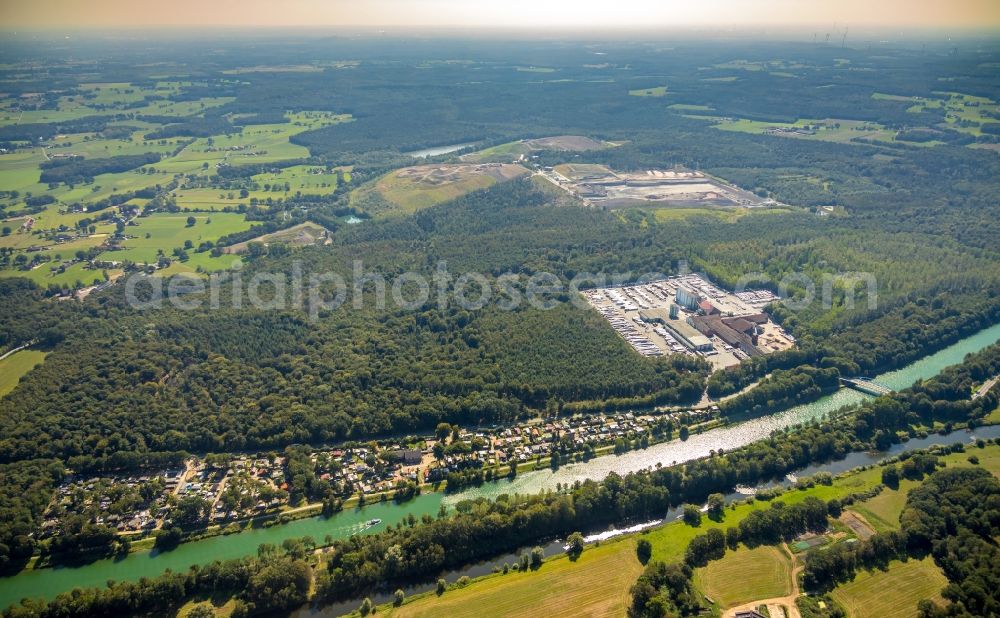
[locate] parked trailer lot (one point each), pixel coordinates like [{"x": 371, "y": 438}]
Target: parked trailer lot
[{"x": 649, "y": 317}]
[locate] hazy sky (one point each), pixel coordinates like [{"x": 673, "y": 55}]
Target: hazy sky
[{"x": 502, "y": 13}]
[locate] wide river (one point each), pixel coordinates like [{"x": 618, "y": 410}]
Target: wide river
[{"x": 46, "y": 583}]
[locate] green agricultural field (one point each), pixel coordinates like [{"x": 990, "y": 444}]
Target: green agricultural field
[
  {"x": 112, "y": 98},
  {"x": 216, "y": 199},
  {"x": 69, "y": 248},
  {"x": 15, "y": 366},
  {"x": 41, "y": 116},
  {"x": 304, "y": 178},
  {"x": 690, "y": 108},
  {"x": 298, "y": 179},
  {"x": 19, "y": 171},
  {"x": 51, "y": 218},
  {"x": 105, "y": 185},
  {"x": 263, "y": 143},
  {"x": 880, "y": 96},
  {"x": 962, "y": 112},
  {"x": 198, "y": 263},
  {"x": 657, "y": 91},
  {"x": 893, "y": 593},
  {"x": 746, "y": 575},
  {"x": 60, "y": 274},
  {"x": 827, "y": 130},
  {"x": 94, "y": 146},
  {"x": 182, "y": 108},
  {"x": 168, "y": 231},
  {"x": 729, "y": 215},
  {"x": 677, "y": 214},
  {"x": 596, "y": 584},
  {"x": 882, "y": 511}
]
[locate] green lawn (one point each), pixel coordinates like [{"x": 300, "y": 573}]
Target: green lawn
[
  {"x": 595, "y": 585},
  {"x": 15, "y": 366},
  {"x": 893, "y": 593},
  {"x": 746, "y": 575}
]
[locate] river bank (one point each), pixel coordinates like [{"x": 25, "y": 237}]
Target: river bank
[
  {"x": 850, "y": 465},
  {"x": 46, "y": 583}
]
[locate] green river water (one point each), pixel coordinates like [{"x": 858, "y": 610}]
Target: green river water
[{"x": 47, "y": 583}]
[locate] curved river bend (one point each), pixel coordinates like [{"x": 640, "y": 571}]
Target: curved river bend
[{"x": 47, "y": 583}]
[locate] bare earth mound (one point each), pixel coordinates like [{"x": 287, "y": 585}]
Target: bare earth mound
[
  {"x": 566, "y": 142},
  {"x": 298, "y": 235},
  {"x": 412, "y": 188}
]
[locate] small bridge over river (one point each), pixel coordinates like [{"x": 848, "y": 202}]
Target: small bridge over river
[{"x": 866, "y": 386}]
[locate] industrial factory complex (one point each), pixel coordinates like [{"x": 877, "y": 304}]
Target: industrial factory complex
[
  {"x": 688, "y": 315},
  {"x": 598, "y": 185}
]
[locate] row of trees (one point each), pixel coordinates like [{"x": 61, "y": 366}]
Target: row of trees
[
  {"x": 784, "y": 388},
  {"x": 77, "y": 169}
]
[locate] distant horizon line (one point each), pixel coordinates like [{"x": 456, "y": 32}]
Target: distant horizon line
[{"x": 540, "y": 31}]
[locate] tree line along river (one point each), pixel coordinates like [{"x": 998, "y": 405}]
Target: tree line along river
[{"x": 48, "y": 582}]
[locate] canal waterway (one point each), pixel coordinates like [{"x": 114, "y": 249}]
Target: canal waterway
[{"x": 48, "y": 582}]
